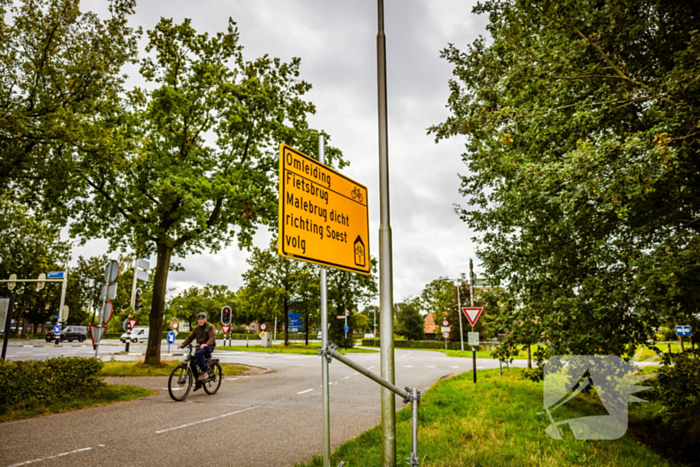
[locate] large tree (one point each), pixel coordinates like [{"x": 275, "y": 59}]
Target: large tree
[
  {"x": 58, "y": 66},
  {"x": 190, "y": 163},
  {"x": 582, "y": 124},
  {"x": 275, "y": 285}
]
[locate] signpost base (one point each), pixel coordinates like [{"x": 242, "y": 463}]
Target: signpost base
[{"x": 474, "y": 363}]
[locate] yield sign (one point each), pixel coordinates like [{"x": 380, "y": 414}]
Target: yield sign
[
  {"x": 472, "y": 314},
  {"x": 225, "y": 329},
  {"x": 132, "y": 323}
]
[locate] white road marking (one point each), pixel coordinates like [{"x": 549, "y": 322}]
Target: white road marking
[
  {"x": 304, "y": 392},
  {"x": 454, "y": 367},
  {"x": 406, "y": 355},
  {"x": 207, "y": 420},
  {"x": 408, "y": 366},
  {"x": 371, "y": 367},
  {"x": 355, "y": 374},
  {"x": 479, "y": 367},
  {"x": 50, "y": 457},
  {"x": 430, "y": 366},
  {"x": 346, "y": 377}
]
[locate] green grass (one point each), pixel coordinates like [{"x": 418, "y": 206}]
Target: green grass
[
  {"x": 492, "y": 423},
  {"x": 164, "y": 369},
  {"x": 110, "y": 394},
  {"x": 311, "y": 349},
  {"x": 522, "y": 353}
]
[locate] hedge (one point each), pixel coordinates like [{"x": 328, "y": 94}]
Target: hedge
[
  {"x": 426, "y": 345},
  {"x": 51, "y": 380}
]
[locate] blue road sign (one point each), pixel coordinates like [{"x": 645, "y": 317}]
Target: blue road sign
[
  {"x": 56, "y": 317},
  {"x": 55, "y": 275},
  {"x": 171, "y": 337},
  {"x": 57, "y": 329},
  {"x": 683, "y": 331},
  {"x": 347, "y": 329},
  {"x": 294, "y": 320}
]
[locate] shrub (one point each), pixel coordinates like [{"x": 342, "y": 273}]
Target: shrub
[
  {"x": 678, "y": 386},
  {"x": 55, "y": 379}
]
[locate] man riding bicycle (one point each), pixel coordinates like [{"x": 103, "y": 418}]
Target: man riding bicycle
[{"x": 205, "y": 333}]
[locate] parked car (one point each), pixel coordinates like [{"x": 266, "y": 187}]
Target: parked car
[
  {"x": 69, "y": 333},
  {"x": 137, "y": 335}
]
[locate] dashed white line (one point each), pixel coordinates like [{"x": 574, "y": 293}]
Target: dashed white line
[
  {"x": 304, "y": 392},
  {"x": 371, "y": 367},
  {"x": 207, "y": 420},
  {"x": 431, "y": 366},
  {"x": 454, "y": 366},
  {"x": 346, "y": 377},
  {"x": 50, "y": 457},
  {"x": 408, "y": 366},
  {"x": 406, "y": 355},
  {"x": 355, "y": 374}
]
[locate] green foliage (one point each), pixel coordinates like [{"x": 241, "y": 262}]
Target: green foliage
[
  {"x": 209, "y": 299},
  {"x": 409, "y": 319},
  {"x": 581, "y": 124},
  {"x": 274, "y": 285},
  {"x": 678, "y": 388},
  {"x": 58, "y": 68},
  {"x": 190, "y": 163},
  {"x": 30, "y": 246},
  {"x": 55, "y": 379}
]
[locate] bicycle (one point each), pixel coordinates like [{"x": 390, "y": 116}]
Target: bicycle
[
  {"x": 182, "y": 376},
  {"x": 357, "y": 194}
]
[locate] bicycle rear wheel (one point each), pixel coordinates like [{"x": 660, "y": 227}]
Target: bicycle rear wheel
[
  {"x": 213, "y": 380},
  {"x": 180, "y": 382}
]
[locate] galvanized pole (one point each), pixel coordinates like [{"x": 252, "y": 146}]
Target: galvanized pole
[
  {"x": 8, "y": 323},
  {"x": 386, "y": 294},
  {"x": 459, "y": 312},
  {"x": 324, "y": 344},
  {"x": 63, "y": 292},
  {"x": 414, "y": 428},
  {"x": 471, "y": 298}
]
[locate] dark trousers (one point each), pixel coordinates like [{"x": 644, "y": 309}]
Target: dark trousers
[{"x": 201, "y": 354}]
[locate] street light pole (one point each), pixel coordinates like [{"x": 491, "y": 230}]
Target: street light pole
[{"x": 386, "y": 298}]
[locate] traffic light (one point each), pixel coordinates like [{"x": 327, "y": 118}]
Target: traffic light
[
  {"x": 226, "y": 315},
  {"x": 137, "y": 300}
]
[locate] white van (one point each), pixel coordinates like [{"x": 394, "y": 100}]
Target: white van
[{"x": 137, "y": 335}]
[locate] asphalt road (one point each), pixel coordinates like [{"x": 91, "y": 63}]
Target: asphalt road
[{"x": 273, "y": 418}]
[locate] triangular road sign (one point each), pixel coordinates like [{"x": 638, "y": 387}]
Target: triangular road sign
[
  {"x": 225, "y": 329},
  {"x": 472, "y": 314},
  {"x": 132, "y": 323},
  {"x": 96, "y": 333}
]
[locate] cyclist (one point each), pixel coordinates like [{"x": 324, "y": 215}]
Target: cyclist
[{"x": 205, "y": 333}]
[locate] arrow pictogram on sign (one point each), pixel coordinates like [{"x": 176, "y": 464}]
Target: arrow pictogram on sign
[{"x": 472, "y": 314}]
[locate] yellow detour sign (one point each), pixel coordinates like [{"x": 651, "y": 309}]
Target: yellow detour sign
[{"x": 323, "y": 215}]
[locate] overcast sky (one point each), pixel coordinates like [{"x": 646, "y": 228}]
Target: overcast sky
[{"x": 336, "y": 41}]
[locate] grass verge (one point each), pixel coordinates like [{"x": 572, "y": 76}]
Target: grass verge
[
  {"x": 492, "y": 423},
  {"x": 164, "y": 369},
  {"x": 311, "y": 349},
  {"x": 110, "y": 394}
]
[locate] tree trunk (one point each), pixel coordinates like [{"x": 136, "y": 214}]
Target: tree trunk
[
  {"x": 155, "y": 322},
  {"x": 286, "y": 322}
]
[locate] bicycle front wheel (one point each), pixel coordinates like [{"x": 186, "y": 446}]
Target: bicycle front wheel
[
  {"x": 180, "y": 382},
  {"x": 213, "y": 381}
]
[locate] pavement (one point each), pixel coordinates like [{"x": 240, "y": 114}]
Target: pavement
[{"x": 273, "y": 418}]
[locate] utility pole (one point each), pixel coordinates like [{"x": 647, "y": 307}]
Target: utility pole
[{"x": 386, "y": 293}]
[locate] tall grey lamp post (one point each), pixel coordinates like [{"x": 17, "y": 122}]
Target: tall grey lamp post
[{"x": 386, "y": 294}]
